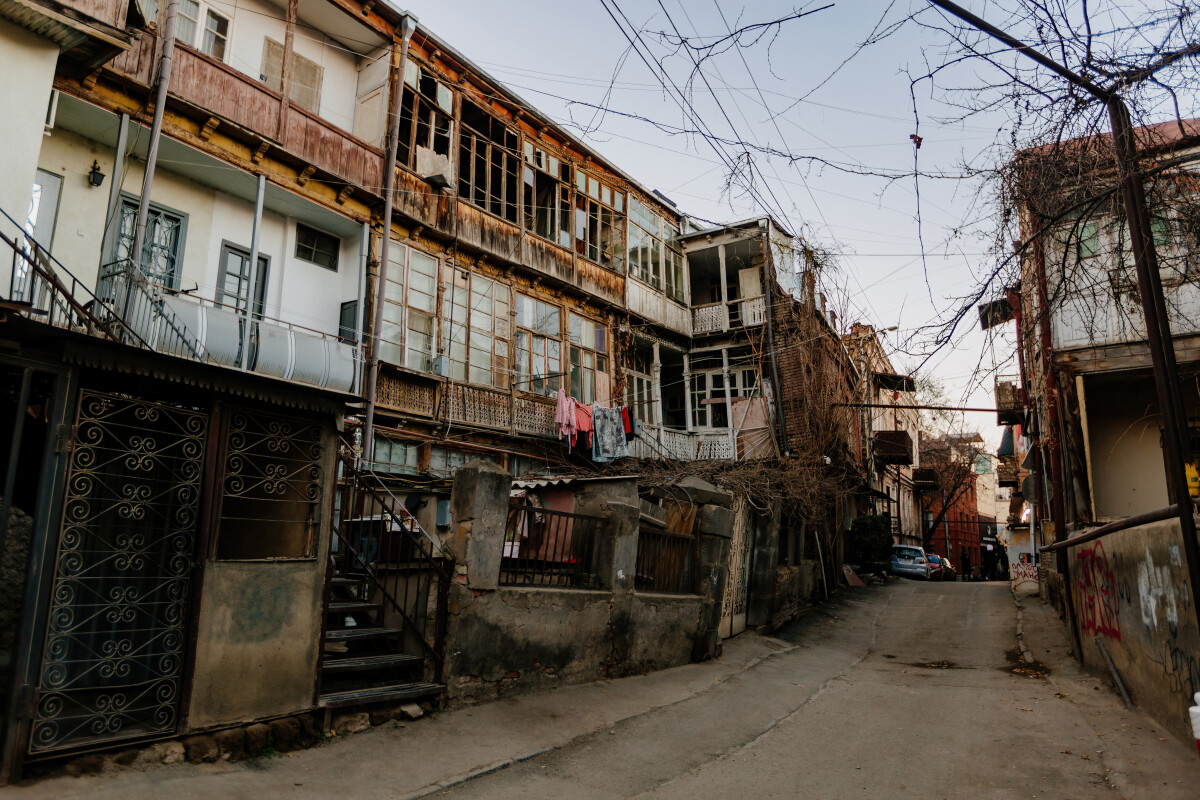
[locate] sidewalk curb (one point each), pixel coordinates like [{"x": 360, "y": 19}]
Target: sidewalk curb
[
  {"x": 1026, "y": 653},
  {"x": 504, "y": 764},
  {"x": 448, "y": 783}
]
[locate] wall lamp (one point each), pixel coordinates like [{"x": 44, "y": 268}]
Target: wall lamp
[{"x": 96, "y": 177}]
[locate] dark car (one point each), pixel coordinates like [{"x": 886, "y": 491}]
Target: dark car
[
  {"x": 935, "y": 566},
  {"x": 910, "y": 561}
]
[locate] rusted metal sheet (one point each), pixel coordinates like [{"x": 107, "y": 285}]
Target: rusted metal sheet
[
  {"x": 600, "y": 282},
  {"x": 490, "y": 234},
  {"x": 555, "y": 262},
  {"x": 418, "y": 201}
]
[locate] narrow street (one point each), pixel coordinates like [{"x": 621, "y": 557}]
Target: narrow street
[{"x": 900, "y": 691}]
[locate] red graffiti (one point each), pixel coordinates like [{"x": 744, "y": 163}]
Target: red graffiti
[{"x": 1096, "y": 592}]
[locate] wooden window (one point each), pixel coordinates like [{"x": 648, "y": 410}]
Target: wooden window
[
  {"x": 233, "y": 287},
  {"x": 391, "y": 455},
  {"x": 547, "y": 195},
  {"x": 203, "y": 28},
  {"x": 488, "y": 163},
  {"x": 654, "y": 257},
  {"x": 348, "y": 321},
  {"x": 409, "y": 311},
  {"x": 599, "y": 221},
  {"x": 475, "y": 326},
  {"x": 426, "y": 116},
  {"x": 639, "y": 385},
  {"x": 589, "y": 360},
  {"x": 539, "y": 360},
  {"x": 1089, "y": 240},
  {"x": 317, "y": 247},
  {"x": 305, "y": 86},
  {"x": 162, "y": 247}
]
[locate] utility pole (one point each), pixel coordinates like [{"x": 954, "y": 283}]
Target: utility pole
[{"x": 1176, "y": 445}]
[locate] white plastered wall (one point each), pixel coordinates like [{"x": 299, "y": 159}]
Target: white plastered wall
[
  {"x": 252, "y": 21},
  {"x": 25, "y": 96}
]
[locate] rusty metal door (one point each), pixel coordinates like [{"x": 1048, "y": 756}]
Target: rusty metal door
[
  {"x": 114, "y": 651},
  {"x": 733, "y": 605}
]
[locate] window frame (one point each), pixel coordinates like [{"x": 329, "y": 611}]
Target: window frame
[
  {"x": 223, "y": 296},
  {"x": 203, "y": 10},
  {"x": 589, "y": 220},
  {"x": 337, "y": 250},
  {"x": 524, "y": 377},
  {"x": 584, "y": 360},
  {"x": 417, "y": 109},
  {"x": 130, "y": 201},
  {"x": 497, "y": 333},
  {"x": 403, "y": 323},
  {"x": 477, "y": 149},
  {"x": 540, "y": 166}
]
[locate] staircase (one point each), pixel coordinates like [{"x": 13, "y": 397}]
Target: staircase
[{"x": 388, "y": 585}]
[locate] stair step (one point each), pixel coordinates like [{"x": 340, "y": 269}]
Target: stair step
[
  {"x": 357, "y": 663},
  {"x": 381, "y": 694},
  {"x": 360, "y": 633},
  {"x": 344, "y": 580},
  {"x": 345, "y": 606}
]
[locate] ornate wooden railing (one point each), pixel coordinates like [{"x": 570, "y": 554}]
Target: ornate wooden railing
[
  {"x": 535, "y": 416},
  {"x": 475, "y": 405},
  {"x": 710, "y": 318}
]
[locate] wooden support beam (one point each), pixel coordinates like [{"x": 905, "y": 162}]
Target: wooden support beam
[{"x": 210, "y": 125}]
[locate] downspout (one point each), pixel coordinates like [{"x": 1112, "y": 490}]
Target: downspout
[
  {"x": 160, "y": 103},
  {"x": 113, "y": 222},
  {"x": 252, "y": 286},
  {"x": 360, "y": 293},
  {"x": 769, "y": 302},
  {"x": 408, "y": 25}
]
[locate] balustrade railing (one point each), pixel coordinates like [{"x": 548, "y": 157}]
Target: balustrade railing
[
  {"x": 710, "y": 318},
  {"x": 475, "y": 405}
]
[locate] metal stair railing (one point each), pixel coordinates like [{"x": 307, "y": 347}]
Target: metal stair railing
[
  {"x": 38, "y": 290},
  {"x": 405, "y": 566}
]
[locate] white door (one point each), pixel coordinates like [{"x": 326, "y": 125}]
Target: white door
[{"x": 733, "y": 605}]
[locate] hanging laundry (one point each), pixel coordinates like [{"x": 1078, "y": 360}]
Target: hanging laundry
[
  {"x": 564, "y": 417},
  {"x": 627, "y": 419},
  {"x": 608, "y": 443},
  {"x": 583, "y": 424}
]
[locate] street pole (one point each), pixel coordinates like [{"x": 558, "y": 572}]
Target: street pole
[{"x": 1176, "y": 446}]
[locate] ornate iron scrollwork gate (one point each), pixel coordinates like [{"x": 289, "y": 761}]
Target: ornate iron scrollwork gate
[{"x": 114, "y": 651}]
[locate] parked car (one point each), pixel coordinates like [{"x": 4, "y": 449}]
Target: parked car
[
  {"x": 935, "y": 566},
  {"x": 910, "y": 561},
  {"x": 948, "y": 571}
]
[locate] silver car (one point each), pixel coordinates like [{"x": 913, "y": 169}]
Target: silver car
[{"x": 910, "y": 561}]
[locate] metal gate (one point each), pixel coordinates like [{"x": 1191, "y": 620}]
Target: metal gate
[
  {"x": 114, "y": 652},
  {"x": 733, "y": 604}
]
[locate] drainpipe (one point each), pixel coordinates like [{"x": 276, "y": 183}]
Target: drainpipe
[
  {"x": 364, "y": 260},
  {"x": 113, "y": 222},
  {"x": 408, "y": 25},
  {"x": 252, "y": 286},
  {"x": 160, "y": 103}
]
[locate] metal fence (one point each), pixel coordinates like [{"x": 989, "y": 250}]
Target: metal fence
[
  {"x": 550, "y": 549},
  {"x": 666, "y": 562}
]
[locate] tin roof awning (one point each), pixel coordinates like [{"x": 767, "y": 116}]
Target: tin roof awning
[
  {"x": 895, "y": 383},
  {"x": 893, "y": 447}
]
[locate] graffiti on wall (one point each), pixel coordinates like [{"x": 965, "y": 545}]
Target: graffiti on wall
[
  {"x": 1024, "y": 576},
  {"x": 1096, "y": 592},
  {"x": 1155, "y": 591}
]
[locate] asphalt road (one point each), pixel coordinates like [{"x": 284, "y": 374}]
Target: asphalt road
[{"x": 906, "y": 691}]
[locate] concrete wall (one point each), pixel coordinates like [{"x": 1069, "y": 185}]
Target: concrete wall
[
  {"x": 259, "y": 632},
  {"x": 1124, "y": 447},
  {"x": 25, "y": 96},
  {"x": 795, "y": 587},
  {"x": 1131, "y": 594},
  {"x": 503, "y": 639}
]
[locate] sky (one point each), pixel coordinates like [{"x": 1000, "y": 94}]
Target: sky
[{"x": 787, "y": 93}]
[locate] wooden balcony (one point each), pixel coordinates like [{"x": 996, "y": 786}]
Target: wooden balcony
[
  {"x": 477, "y": 406},
  {"x": 399, "y": 390},
  {"x": 893, "y": 447},
  {"x": 1009, "y": 409},
  {"x": 535, "y": 416},
  {"x": 247, "y": 109}
]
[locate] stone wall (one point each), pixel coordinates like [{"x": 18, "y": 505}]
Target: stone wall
[
  {"x": 507, "y": 639},
  {"x": 1131, "y": 594}
]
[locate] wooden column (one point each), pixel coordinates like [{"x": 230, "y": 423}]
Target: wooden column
[
  {"x": 724, "y": 290},
  {"x": 728, "y": 398},
  {"x": 285, "y": 69},
  {"x": 687, "y": 393},
  {"x": 656, "y": 391}
]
